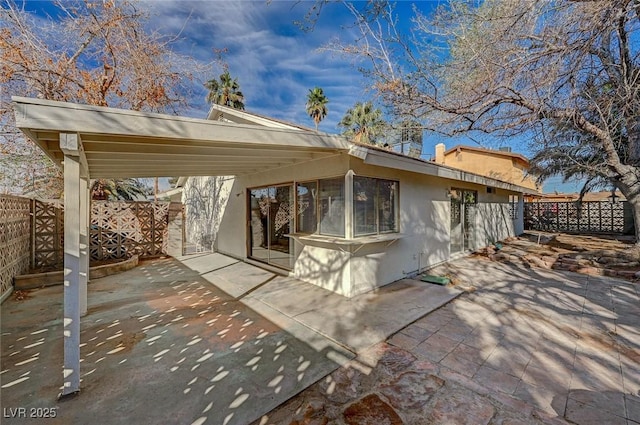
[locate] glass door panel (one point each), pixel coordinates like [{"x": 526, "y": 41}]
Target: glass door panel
[
  {"x": 259, "y": 224},
  {"x": 470, "y": 204},
  {"x": 456, "y": 233},
  {"x": 270, "y": 222},
  {"x": 280, "y": 225},
  {"x": 463, "y": 216}
]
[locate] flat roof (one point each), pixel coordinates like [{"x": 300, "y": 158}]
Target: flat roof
[
  {"x": 120, "y": 143},
  {"x": 382, "y": 157}
]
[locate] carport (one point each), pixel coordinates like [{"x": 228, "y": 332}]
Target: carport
[{"x": 97, "y": 142}]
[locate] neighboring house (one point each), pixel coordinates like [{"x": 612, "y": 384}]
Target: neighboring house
[
  {"x": 499, "y": 164},
  {"x": 552, "y": 197},
  {"x": 173, "y": 195},
  {"x": 346, "y": 217}
]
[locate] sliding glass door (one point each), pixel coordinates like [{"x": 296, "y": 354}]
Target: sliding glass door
[
  {"x": 463, "y": 213},
  {"x": 270, "y": 222}
]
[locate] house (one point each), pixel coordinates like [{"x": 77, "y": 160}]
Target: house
[
  {"x": 346, "y": 217},
  {"x": 354, "y": 221},
  {"x": 499, "y": 164}
]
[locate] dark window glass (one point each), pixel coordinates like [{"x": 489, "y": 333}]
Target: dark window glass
[
  {"x": 307, "y": 202},
  {"x": 365, "y": 193},
  {"x": 331, "y": 200},
  {"x": 375, "y": 206},
  {"x": 387, "y": 206}
]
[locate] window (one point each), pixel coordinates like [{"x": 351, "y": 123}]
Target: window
[
  {"x": 331, "y": 202},
  {"x": 387, "y": 206},
  {"x": 375, "y": 206},
  {"x": 307, "y": 201}
]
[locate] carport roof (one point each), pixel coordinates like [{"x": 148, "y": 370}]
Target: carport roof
[{"x": 120, "y": 143}]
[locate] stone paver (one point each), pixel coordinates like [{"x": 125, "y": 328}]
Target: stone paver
[
  {"x": 371, "y": 410},
  {"x": 528, "y": 346}
]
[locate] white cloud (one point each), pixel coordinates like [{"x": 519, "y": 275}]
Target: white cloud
[{"x": 274, "y": 61}]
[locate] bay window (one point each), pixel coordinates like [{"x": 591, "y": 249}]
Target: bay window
[
  {"x": 375, "y": 206},
  {"x": 321, "y": 207}
]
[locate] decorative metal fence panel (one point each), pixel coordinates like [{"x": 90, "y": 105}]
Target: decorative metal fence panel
[
  {"x": 48, "y": 234},
  {"x": 589, "y": 217},
  {"x": 118, "y": 230},
  {"x": 15, "y": 237},
  {"x": 32, "y": 233},
  {"x": 122, "y": 229}
]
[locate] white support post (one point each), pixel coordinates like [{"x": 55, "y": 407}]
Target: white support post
[
  {"x": 84, "y": 244},
  {"x": 72, "y": 189},
  {"x": 75, "y": 261},
  {"x": 348, "y": 205}
]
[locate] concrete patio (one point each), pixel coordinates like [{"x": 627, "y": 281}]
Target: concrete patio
[{"x": 199, "y": 339}]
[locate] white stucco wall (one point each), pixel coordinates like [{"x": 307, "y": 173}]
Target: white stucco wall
[
  {"x": 205, "y": 200},
  {"x": 324, "y": 266},
  {"x": 424, "y": 215},
  {"x": 424, "y": 225}
]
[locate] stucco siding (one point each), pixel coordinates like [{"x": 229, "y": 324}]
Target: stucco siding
[
  {"x": 205, "y": 200},
  {"x": 491, "y": 165},
  {"x": 325, "y": 267},
  {"x": 424, "y": 225}
]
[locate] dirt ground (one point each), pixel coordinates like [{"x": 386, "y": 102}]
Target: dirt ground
[{"x": 604, "y": 255}]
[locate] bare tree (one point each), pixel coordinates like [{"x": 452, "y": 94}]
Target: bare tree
[
  {"x": 564, "y": 73},
  {"x": 97, "y": 53}
]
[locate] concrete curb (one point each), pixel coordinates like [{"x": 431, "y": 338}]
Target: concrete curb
[{"x": 42, "y": 280}]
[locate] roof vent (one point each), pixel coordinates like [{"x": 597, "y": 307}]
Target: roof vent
[{"x": 505, "y": 149}]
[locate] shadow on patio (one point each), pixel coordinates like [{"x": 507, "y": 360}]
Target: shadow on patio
[{"x": 162, "y": 344}]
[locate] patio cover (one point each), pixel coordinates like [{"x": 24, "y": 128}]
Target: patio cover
[
  {"x": 120, "y": 143},
  {"x": 98, "y": 142}
]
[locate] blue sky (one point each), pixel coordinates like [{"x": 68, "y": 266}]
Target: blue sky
[{"x": 275, "y": 62}]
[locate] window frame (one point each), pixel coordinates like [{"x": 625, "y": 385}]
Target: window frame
[
  {"x": 317, "y": 206},
  {"x": 319, "y": 216},
  {"x": 396, "y": 207},
  {"x": 318, "y": 210}
]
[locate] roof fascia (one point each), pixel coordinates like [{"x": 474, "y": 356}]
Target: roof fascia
[
  {"x": 488, "y": 151},
  {"x": 34, "y": 114},
  {"x": 217, "y": 110},
  {"x": 383, "y": 159}
]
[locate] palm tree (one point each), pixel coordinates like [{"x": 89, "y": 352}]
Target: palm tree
[
  {"x": 363, "y": 123},
  {"x": 225, "y": 92},
  {"x": 317, "y": 105}
]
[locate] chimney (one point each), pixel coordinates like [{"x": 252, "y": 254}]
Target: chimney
[{"x": 440, "y": 148}]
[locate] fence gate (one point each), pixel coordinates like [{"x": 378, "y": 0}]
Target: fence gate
[{"x": 589, "y": 217}]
